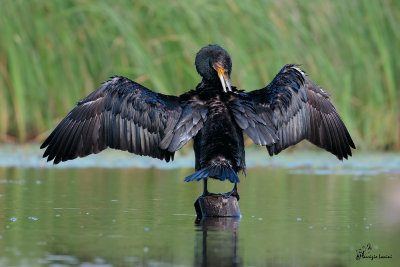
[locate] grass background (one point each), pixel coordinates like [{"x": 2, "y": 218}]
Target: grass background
[{"x": 53, "y": 53}]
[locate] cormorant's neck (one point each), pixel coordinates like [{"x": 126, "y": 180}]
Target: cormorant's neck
[
  {"x": 205, "y": 85},
  {"x": 209, "y": 85}
]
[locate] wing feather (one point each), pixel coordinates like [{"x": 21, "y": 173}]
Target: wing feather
[
  {"x": 299, "y": 109},
  {"x": 258, "y": 129},
  {"x": 123, "y": 114}
]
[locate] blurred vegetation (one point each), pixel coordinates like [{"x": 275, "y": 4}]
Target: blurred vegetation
[{"x": 53, "y": 53}]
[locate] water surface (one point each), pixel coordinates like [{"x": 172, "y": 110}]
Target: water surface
[{"x": 292, "y": 215}]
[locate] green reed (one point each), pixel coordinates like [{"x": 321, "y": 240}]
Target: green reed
[{"x": 53, "y": 53}]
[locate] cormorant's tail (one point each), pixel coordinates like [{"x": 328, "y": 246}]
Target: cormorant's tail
[{"x": 220, "y": 171}]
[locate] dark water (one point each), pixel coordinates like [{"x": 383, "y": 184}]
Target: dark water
[{"x": 145, "y": 217}]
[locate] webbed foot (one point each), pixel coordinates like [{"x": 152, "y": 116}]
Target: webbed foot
[{"x": 233, "y": 193}]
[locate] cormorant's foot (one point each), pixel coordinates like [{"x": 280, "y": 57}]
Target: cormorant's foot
[
  {"x": 233, "y": 193},
  {"x": 206, "y": 194}
]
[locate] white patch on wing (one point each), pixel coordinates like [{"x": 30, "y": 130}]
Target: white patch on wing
[
  {"x": 299, "y": 70},
  {"x": 92, "y": 101},
  {"x": 115, "y": 78}
]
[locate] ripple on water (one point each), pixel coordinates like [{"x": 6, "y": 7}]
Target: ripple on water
[{"x": 318, "y": 161}]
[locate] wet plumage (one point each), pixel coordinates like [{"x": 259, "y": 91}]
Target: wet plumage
[{"x": 125, "y": 115}]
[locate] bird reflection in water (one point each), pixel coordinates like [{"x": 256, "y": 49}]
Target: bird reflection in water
[{"x": 216, "y": 242}]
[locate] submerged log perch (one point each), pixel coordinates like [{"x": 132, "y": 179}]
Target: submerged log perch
[{"x": 217, "y": 205}]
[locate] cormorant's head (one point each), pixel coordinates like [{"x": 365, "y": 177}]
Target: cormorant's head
[{"x": 214, "y": 64}]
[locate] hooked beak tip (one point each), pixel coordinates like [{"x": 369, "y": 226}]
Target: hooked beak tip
[
  {"x": 229, "y": 85},
  {"x": 226, "y": 84}
]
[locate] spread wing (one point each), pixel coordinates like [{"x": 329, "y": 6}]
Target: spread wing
[
  {"x": 123, "y": 114},
  {"x": 260, "y": 131},
  {"x": 299, "y": 109}
]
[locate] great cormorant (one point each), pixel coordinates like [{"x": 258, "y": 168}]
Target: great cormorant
[{"x": 125, "y": 115}]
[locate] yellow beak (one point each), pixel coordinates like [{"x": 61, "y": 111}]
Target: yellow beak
[{"x": 224, "y": 78}]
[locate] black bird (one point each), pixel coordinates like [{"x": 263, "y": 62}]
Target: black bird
[{"x": 125, "y": 115}]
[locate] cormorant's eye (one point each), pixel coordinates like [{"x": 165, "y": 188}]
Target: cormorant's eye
[{"x": 226, "y": 72}]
